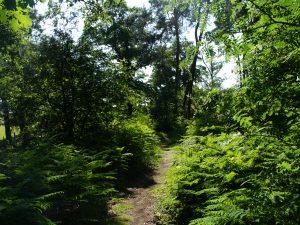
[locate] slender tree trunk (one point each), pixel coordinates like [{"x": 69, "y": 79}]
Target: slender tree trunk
[
  {"x": 212, "y": 79},
  {"x": 241, "y": 73},
  {"x": 177, "y": 60},
  {"x": 191, "y": 84},
  {"x": 129, "y": 108},
  {"x": 20, "y": 114},
  {"x": 21, "y": 122},
  {"x": 228, "y": 13},
  {"x": 187, "y": 102},
  {"x": 69, "y": 115},
  {"x": 68, "y": 111},
  {"x": 6, "y": 118}
]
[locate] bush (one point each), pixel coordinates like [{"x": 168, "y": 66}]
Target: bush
[
  {"x": 54, "y": 185},
  {"x": 63, "y": 184},
  {"x": 233, "y": 179},
  {"x": 215, "y": 113},
  {"x": 139, "y": 140}
]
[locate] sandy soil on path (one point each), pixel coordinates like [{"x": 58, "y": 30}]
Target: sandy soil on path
[{"x": 142, "y": 199}]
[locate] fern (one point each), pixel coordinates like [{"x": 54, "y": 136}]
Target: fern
[{"x": 233, "y": 179}]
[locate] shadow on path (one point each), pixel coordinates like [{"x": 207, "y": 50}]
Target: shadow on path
[{"x": 140, "y": 195}]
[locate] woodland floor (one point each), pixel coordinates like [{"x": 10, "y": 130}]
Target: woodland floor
[{"x": 140, "y": 197}]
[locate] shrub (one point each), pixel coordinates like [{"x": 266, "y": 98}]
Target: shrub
[
  {"x": 54, "y": 185},
  {"x": 233, "y": 179},
  {"x": 138, "y": 139},
  {"x": 215, "y": 113}
]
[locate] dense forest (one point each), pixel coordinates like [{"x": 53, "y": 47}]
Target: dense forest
[{"x": 81, "y": 115}]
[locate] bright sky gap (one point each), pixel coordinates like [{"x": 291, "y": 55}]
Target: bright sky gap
[{"x": 227, "y": 73}]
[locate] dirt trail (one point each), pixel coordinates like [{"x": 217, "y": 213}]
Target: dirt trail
[{"x": 142, "y": 199}]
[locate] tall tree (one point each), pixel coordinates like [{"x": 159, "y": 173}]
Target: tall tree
[
  {"x": 199, "y": 15},
  {"x": 264, "y": 35},
  {"x": 125, "y": 33}
]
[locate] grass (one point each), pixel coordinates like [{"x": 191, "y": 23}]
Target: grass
[
  {"x": 2, "y": 132},
  {"x": 119, "y": 209},
  {"x": 14, "y": 131}
]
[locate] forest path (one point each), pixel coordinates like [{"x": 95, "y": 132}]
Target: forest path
[{"x": 141, "y": 198}]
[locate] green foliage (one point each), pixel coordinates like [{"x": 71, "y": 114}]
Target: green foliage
[
  {"x": 120, "y": 208},
  {"x": 139, "y": 140},
  {"x": 55, "y": 184},
  {"x": 233, "y": 179},
  {"x": 215, "y": 113},
  {"x": 251, "y": 176},
  {"x": 2, "y": 132},
  {"x": 60, "y": 184},
  {"x": 163, "y": 83},
  {"x": 58, "y": 90},
  {"x": 268, "y": 56},
  {"x": 15, "y": 13},
  {"x": 14, "y": 130},
  {"x": 87, "y": 95}
]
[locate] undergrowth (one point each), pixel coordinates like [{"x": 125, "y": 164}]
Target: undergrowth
[
  {"x": 224, "y": 179},
  {"x": 119, "y": 212},
  {"x": 51, "y": 183}
]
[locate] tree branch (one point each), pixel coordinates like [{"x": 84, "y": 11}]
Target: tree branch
[{"x": 270, "y": 16}]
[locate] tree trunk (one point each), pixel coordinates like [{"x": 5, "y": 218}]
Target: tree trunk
[
  {"x": 177, "y": 60},
  {"x": 191, "y": 84},
  {"x": 187, "y": 101},
  {"x": 68, "y": 111},
  {"x": 6, "y": 118}
]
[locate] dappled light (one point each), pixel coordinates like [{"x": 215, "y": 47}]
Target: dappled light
[{"x": 150, "y": 112}]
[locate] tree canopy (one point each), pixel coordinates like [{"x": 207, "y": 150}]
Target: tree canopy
[{"x": 82, "y": 117}]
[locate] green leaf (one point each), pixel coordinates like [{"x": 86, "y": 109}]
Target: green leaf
[{"x": 284, "y": 167}]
